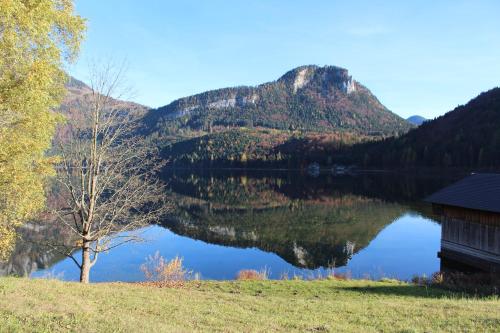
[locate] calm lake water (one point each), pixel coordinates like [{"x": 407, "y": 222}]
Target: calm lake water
[{"x": 366, "y": 225}]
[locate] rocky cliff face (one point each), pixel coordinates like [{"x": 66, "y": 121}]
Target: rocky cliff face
[
  {"x": 329, "y": 77},
  {"x": 308, "y": 98}
]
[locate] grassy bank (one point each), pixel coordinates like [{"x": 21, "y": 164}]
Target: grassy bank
[{"x": 314, "y": 306}]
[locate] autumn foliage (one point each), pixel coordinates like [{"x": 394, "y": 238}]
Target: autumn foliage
[{"x": 36, "y": 38}]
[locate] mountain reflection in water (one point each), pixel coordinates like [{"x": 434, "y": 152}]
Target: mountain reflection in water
[{"x": 309, "y": 222}]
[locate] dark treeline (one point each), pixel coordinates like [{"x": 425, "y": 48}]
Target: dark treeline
[{"x": 468, "y": 136}]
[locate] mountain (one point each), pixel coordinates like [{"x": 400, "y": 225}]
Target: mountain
[
  {"x": 468, "y": 136},
  {"x": 77, "y": 102},
  {"x": 416, "y": 120},
  {"x": 303, "y": 117},
  {"x": 307, "y": 98},
  {"x": 78, "y": 94}
]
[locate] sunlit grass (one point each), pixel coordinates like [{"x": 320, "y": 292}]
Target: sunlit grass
[{"x": 242, "y": 306}]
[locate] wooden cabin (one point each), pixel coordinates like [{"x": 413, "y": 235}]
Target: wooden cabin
[{"x": 469, "y": 211}]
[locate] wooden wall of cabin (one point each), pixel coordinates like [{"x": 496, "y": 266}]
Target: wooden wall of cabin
[
  {"x": 478, "y": 236},
  {"x": 468, "y": 215}
]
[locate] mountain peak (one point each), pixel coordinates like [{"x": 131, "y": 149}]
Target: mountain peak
[
  {"x": 325, "y": 76},
  {"x": 309, "y": 98},
  {"x": 416, "y": 120}
]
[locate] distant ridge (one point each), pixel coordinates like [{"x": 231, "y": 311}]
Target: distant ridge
[{"x": 416, "y": 120}]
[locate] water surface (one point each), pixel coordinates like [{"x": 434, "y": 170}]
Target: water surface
[{"x": 289, "y": 223}]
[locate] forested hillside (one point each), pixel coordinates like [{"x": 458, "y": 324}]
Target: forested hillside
[
  {"x": 76, "y": 108},
  {"x": 259, "y": 147},
  {"x": 468, "y": 136}
]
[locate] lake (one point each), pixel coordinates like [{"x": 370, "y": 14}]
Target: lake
[{"x": 368, "y": 224}]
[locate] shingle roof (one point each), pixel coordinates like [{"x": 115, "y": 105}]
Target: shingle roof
[{"x": 478, "y": 191}]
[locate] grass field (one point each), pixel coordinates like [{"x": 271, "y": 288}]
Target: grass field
[{"x": 242, "y": 306}]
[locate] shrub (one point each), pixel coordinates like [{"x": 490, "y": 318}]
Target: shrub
[
  {"x": 251, "y": 274},
  {"x": 157, "y": 269}
]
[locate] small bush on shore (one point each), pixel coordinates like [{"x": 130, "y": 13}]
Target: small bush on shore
[
  {"x": 251, "y": 274},
  {"x": 157, "y": 269}
]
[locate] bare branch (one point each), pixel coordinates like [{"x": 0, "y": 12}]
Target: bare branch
[{"x": 109, "y": 173}]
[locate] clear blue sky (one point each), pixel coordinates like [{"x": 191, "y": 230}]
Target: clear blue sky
[{"x": 420, "y": 58}]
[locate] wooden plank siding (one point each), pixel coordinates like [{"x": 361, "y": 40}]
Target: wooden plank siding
[
  {"x": 481, "y": 237},
  {"x": 466, "y": 214},
  {"x": 470, "y": 243}
]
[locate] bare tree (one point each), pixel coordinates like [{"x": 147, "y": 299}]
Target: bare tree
[{"x": 109, "y": 175}]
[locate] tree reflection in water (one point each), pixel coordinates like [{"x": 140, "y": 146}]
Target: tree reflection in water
[{"x": 309, "y": 222}]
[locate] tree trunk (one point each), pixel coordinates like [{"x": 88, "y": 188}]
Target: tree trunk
[{"x": 85, "y": 269}]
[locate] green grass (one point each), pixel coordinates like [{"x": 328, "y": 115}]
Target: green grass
[{"x": 236, "y": 306}]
